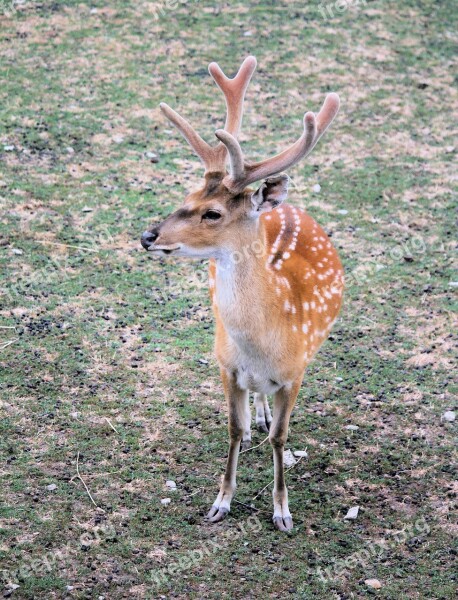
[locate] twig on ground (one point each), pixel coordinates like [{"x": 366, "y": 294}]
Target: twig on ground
[
  {"x": 191, "y": 495},
  {"x": 251, "y": 507},
  {"x": 6, "y": 344},
  {"x": 271, "y": 482},
  {"x": 78, "y": 476},
  {"x": 111, "y": 425},
  {"x": 253, "y": 447},
  {"x": 66, "y": 245}
]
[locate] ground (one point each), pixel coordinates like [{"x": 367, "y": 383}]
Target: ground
[{"x": 106, "y": 360}]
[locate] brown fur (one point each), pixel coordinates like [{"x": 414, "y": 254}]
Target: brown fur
[{"x": 276, "y": 282}]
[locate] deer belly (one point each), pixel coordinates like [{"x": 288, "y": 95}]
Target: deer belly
[
  {"x": 257, "y": 374},
  {"x": 256, "y": 382},
  {"x": 255, "y": 367}
]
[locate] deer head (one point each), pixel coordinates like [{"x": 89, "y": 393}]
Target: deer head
[{"x": 213, "y": 219}]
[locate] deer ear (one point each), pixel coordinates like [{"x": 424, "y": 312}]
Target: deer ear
[{"x": 272, "y": 193}]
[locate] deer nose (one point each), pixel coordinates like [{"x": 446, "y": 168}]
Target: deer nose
[{"x": 148, "y": 238}]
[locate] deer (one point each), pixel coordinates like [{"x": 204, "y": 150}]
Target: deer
[{"x": 276, "y": 302}]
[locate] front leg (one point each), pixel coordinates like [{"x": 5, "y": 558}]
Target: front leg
[
  {"x": 284, "y": 401},
  {"x": 237, "y": 401}
]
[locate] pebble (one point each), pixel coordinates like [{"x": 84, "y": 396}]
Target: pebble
[
  {"x": 288, "y": 458},
  {"x": 17, "y": 251},
  {"x": 51, "y": 487},
  {"x": 317, "y": 188},
  {"x": 86, "y": 209},
  {"x": 118, "y": 139},
  {"x": 373, "y": 583},
  {"x": 449, "y": 416},
  {"x": 166, "y": 501},
  {"x": 203, "y": 361},
  {"x": 352, "y": 427},
  {"x": 453, "y": 283},
  {"x": 154, "y": 158},
  {"x": 342, "y": 211},
  {"x": 70, "y": 588},
  {"x": 171, "y": 485},
  {"x": 339, "y": 379},
  {"x": 8, "y": 148},
  {"x": 352, "y": 513},
  {"x": 247, "y": 33},
  {"x": 300, "y": 453}
]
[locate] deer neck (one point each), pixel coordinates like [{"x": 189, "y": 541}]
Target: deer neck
[{"x": 240, "y": 280}]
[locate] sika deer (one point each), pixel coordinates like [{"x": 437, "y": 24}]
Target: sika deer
[{"x": 276, "y": 281}]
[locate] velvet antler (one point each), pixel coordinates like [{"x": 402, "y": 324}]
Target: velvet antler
[
  {"x": 243, "y": 173},
  {"x": 214, "y": 158}
]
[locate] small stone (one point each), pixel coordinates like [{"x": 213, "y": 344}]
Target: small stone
[
  {"x": 373, "y": 583},
  {"x": 118, "y": 139},
  {"x": 157, "y": 349},
  {"x": 8, "y": 148},
  {"x": 300, "y": 453},
  {"x": 69, "y": 588},
  {"x": 153, "y": 157},
  {"x": 288, "y": 458},
  {"x": 51, "y": 487},
  {"x": 449, "y": 416},
  {"x": 171, "y": 485},
  {"x": 352, "y": 427},
  {"x": 342, "y": 211},
  {"x": 450, "y": 149},
  {"x": 17, "y": 251},
  {"x": 339, "y": 379},
  {"x": 93, "y": 11},
  {"x": 247, "y": 33},
  {"x": 316, "y": 188},
  {"x": 86, "y": 209},
  {"x": 166, "y": 501},
  {"x": 352, "y": 513},
  {"x": 70, "y": 150},
  {"x": 203, "y": 361},
  {"x": 453, "y": 283}
]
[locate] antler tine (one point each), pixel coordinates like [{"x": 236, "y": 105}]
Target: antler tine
[
  {"x": 234, "y": 91},
  {"x": 205, "y": 152},
  {"x": 214, "y": 158},
  {"x": 243, "y": 173},
  {"x": 237, "y": 162}
]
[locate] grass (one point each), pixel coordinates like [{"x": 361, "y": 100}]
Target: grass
[{"x": 108, "y": 353}]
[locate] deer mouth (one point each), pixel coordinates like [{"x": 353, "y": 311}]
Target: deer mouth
[{"x": 164, "y": 249}]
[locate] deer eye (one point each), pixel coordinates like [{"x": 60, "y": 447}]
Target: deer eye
[{"x": 212, "y": 215}]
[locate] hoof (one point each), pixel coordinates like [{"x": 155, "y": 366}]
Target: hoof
[
  {"x": 263, "y": 426},
  {"x": 216, "y": 514},
  {"x": 245, "y": 445},
  {"x": 283, "y": 523}
]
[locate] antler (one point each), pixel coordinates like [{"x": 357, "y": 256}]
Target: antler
[
  {"x": 243, "y": 173},
  {"x": 214, "y": 158}
]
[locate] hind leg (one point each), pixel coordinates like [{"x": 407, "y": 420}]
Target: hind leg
[
  {"x": 263, "y": 415},
  {"x": 246, "y": 439}
]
